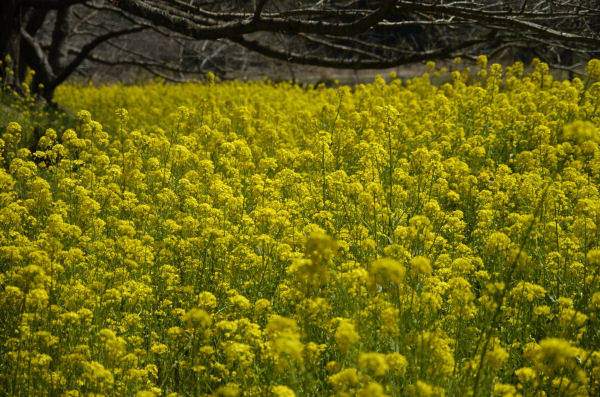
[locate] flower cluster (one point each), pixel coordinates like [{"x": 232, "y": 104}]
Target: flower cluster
[{"x": 261, "y": 239}]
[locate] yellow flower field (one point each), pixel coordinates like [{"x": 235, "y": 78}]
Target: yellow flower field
[{"x": 261, "y": 239}]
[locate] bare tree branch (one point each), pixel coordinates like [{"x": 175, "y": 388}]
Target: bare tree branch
[
  {"x": 351, "y": 63},
  {"x": 354, "y": 34},
  {"x": 186, "y": 26},
  {"x": 506, "y": 20},
  {"x": 88, "y": 48},
  {"x": 39, "y": 56}
]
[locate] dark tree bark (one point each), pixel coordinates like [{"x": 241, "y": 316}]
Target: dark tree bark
[{"x": 10, "y": 27}]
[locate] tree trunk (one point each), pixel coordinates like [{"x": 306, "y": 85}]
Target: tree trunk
[
  {"x": 15, "y": 22},
  {"x": 10, "y": 38}
]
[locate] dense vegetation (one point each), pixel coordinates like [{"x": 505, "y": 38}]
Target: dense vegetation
[{"x": 397, "y": 238}]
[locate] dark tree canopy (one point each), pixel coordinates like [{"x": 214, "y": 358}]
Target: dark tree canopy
[{"x": 56, "y": 37}]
